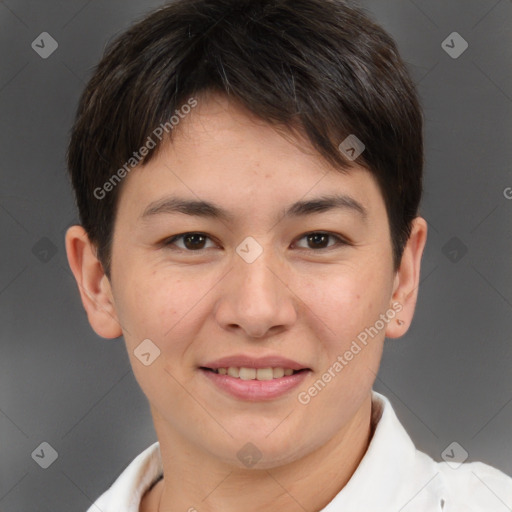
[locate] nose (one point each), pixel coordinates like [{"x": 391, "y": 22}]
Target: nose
[{"x": 256, "y": 297}]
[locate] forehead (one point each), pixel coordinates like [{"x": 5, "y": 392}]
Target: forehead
[
  {"x": 222, "y": 153},
  {"x": 218, "y": 126}
]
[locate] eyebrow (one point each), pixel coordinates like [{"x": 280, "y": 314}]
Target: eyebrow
[{"x": 206, "y": 209}]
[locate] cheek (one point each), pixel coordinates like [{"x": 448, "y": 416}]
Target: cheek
[
  {"x": 163, "y": 308},
  {"x": 344, "y": 302},
  {"x": 154, "y": 305}
]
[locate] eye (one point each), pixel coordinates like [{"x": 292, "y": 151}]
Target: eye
[
  {"x": 195, "y": 242},
  {"x": 192, "y": 241},
  {"x": 319, "y": 238}
]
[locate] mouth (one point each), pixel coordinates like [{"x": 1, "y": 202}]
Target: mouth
[
  {"x": 261, "y": 374},
  {"x": 254, "y": 379}
]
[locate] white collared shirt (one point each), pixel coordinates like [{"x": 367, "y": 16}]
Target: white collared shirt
[{"x": 393, "y": 476}]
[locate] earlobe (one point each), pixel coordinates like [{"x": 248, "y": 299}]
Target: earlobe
[
  {"x": 93, "y": 284},
  {"x": 405, "y": 286}
]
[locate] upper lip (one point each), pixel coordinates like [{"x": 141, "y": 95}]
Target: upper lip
[{"x": 247, "y": 361}]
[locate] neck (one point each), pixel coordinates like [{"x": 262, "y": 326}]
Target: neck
[{"x": 193, "y": 480}]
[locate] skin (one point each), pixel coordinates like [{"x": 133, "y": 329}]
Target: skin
[{"x": 296, "y": 300}]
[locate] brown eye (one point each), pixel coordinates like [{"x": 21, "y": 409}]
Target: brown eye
[
  {"x": 319, "y": 240},
  {"x": 191, "y": 241}
]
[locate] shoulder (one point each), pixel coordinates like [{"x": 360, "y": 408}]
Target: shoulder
[
  {"x": 420, "y": 483},
  {"x": 128, "y": 489},
  {"x": 475, "y": 486}
]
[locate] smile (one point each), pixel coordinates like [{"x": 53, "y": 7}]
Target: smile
[
  {"x": 244, "y": 373},
  {"x": 254, "y": 384}
]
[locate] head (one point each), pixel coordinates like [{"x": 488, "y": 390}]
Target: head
[{"x": 247, "y": 106}]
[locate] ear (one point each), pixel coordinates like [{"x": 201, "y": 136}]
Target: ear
[
  {"x": 407, "y": 278},
  {"x": 93, "y": 284}
]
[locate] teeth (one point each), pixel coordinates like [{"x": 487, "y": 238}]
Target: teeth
[
  {"x": 247, "y": 373},
  {"x": 255, "y": 373},
  {"x": 278, "y": 372},
  {"x": 233, "y": 372},
  {"x": 264, "y": 374}
]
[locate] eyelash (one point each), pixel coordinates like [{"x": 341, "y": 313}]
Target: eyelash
[{"x": 339, "y": 241}]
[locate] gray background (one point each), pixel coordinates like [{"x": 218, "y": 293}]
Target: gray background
[{"x": 449, "y": 378}]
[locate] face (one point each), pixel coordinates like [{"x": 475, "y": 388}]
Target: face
[{"x": 297, "y": 286}]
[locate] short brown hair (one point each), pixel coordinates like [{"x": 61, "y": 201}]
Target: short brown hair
[{"x": 321, "y": 65}]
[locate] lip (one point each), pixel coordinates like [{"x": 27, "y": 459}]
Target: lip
[
  {"x": 246, "y": 361},
  {"x": 254, "y": 390}
]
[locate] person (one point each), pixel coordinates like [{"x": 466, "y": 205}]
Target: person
[{"x": 248, "y": 175}]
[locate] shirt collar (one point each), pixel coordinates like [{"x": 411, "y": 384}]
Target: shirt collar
[
  {"x": 378, "y": 483},
  {"x": 387, "y": 477}
]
